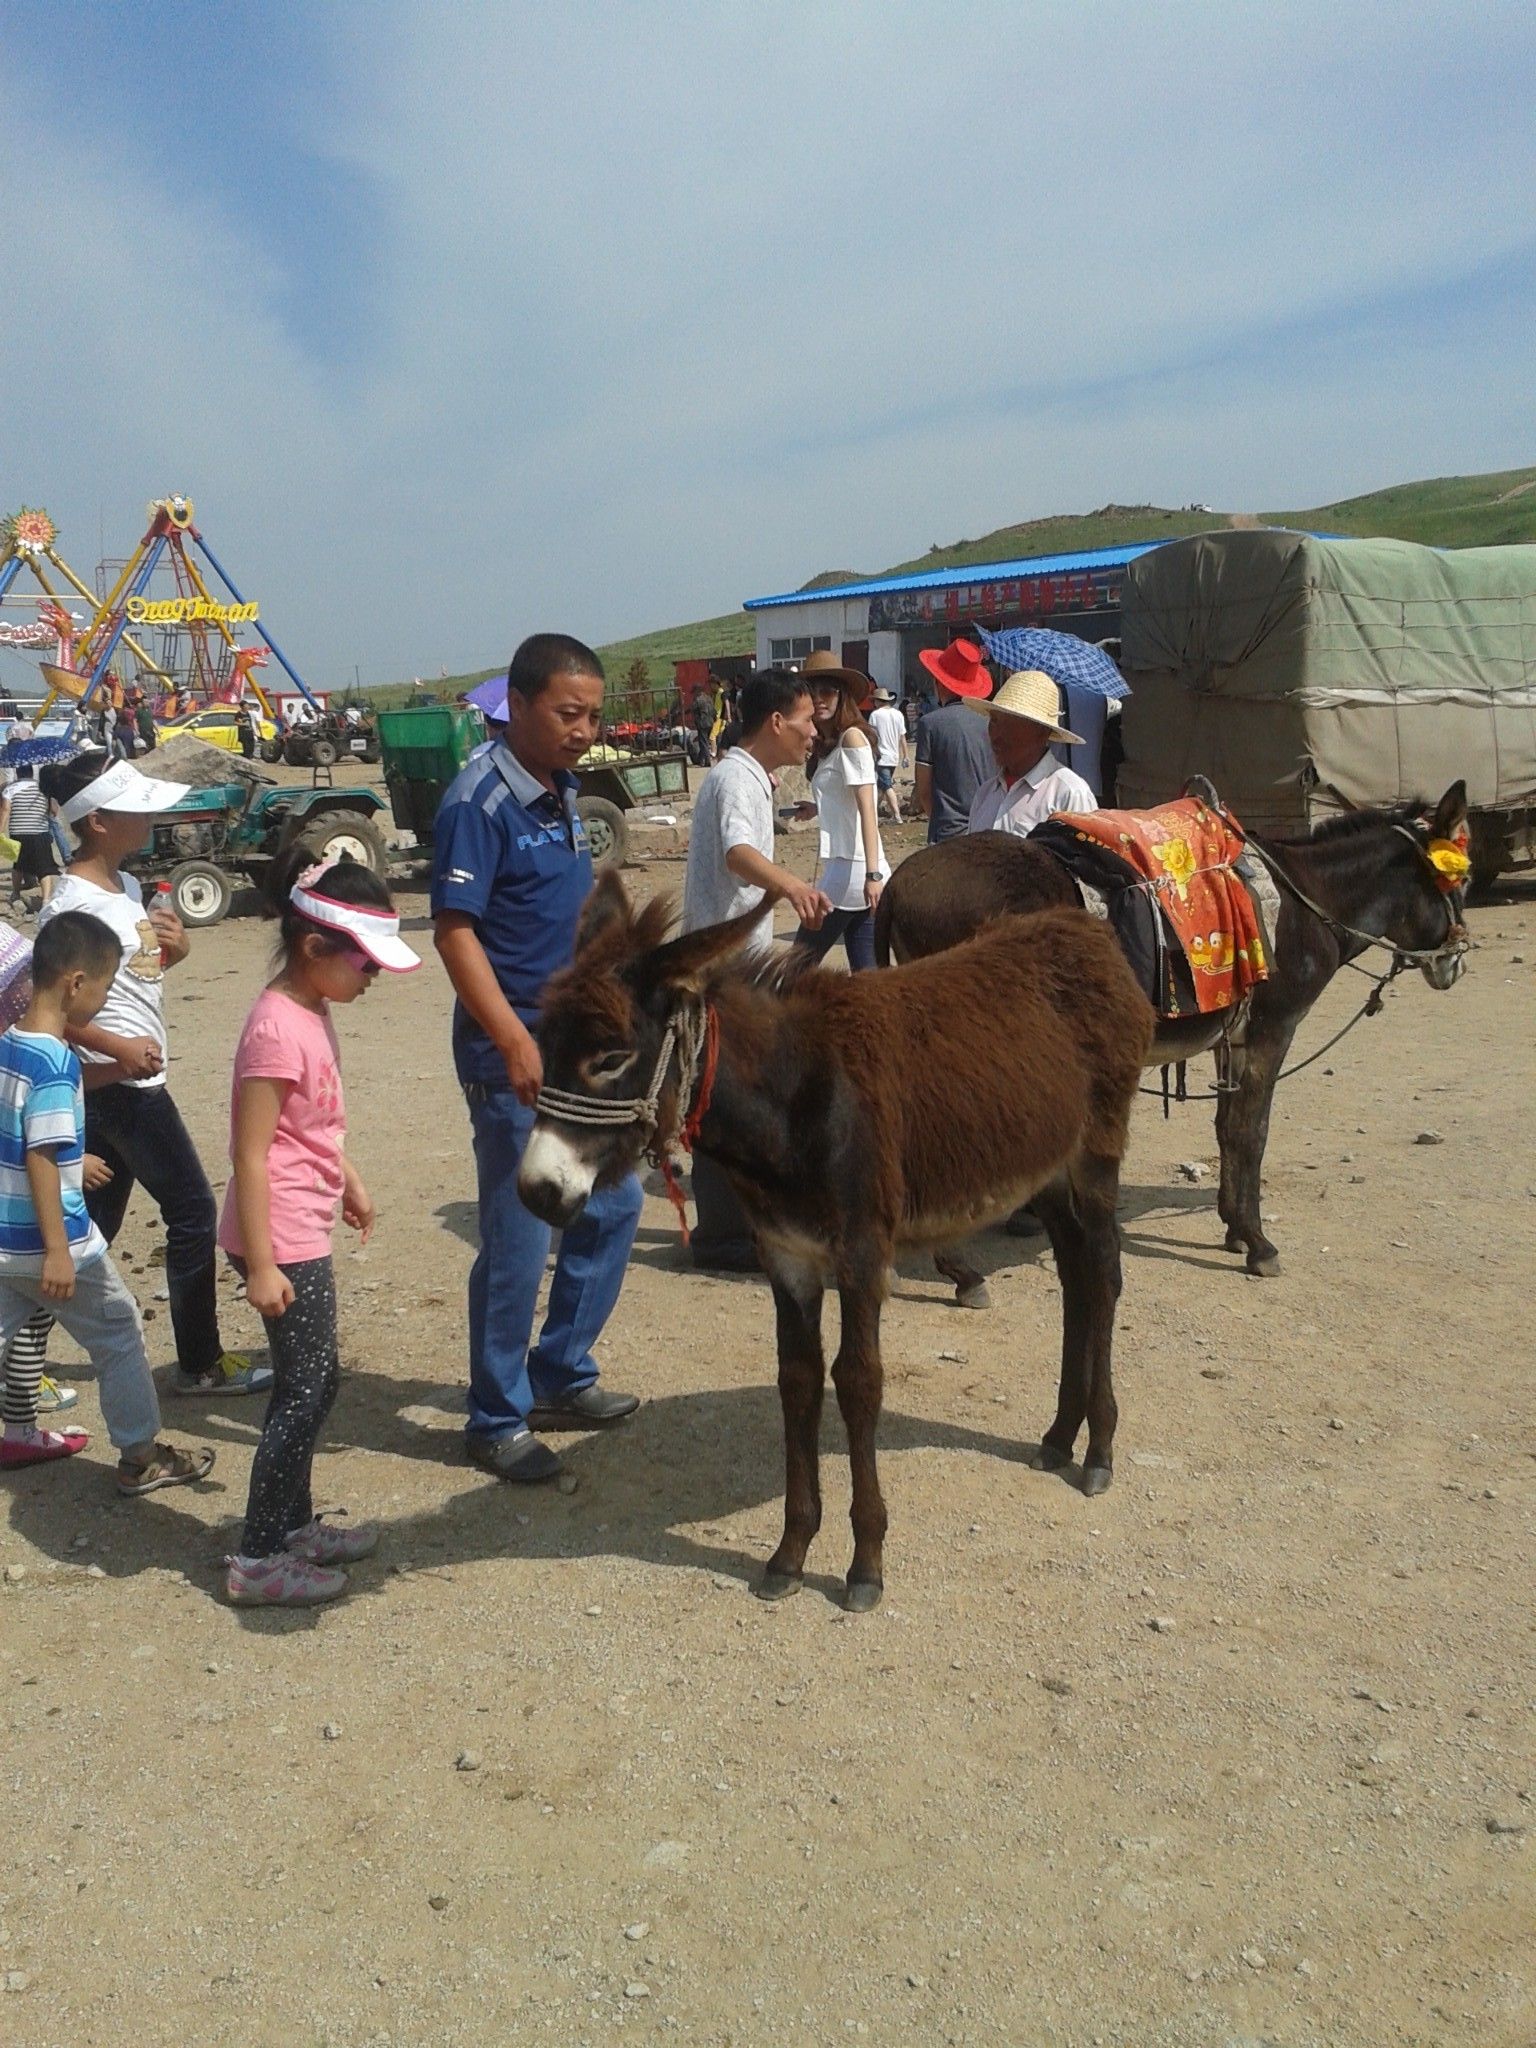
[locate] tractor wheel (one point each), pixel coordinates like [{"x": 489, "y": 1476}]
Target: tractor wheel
[
  {"x": 200, "y": 893},
  {"x": 606, "y": 829},
  {"x": 347, "y": 835},
  {"x": 324, "y": 752},
  {"x": 271, "y": 751}
]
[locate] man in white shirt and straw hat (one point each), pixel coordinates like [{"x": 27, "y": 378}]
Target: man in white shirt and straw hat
[{"x": 1023, "y": 721}]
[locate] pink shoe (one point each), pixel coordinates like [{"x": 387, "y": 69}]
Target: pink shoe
[
  {"x": 322, "y": 1543},
  {"x": 281, "y": 1581},
  {"x": 41, "y": 1447}
]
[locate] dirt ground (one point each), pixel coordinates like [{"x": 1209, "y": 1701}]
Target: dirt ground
[{"x": 1240, "y": 1753}]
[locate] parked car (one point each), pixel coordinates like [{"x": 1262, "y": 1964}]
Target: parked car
[{"x": 219, "y": 726}]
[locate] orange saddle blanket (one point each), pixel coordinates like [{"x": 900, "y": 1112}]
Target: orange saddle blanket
[{"x": 1187, "y": 854}]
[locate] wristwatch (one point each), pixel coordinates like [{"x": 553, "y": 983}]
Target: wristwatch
[{"x": 874, "y": 874}]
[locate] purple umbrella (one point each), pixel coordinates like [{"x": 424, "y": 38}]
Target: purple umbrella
[{"x": 490, "y": 698}]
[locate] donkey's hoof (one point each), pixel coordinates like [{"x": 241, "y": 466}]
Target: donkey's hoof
[
  {"x": 1264, "y": 1265},
  {"x": 1049, "y": 1459},
  {"x": 1096, "y": 1480},
  {"x": 973, "y": 1297},
  {"x": 777, "y": 1585},
  {"x": 863, "y": 1595}
]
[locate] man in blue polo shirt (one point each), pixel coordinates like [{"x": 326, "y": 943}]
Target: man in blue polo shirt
[{"x": 511, "y": 870}]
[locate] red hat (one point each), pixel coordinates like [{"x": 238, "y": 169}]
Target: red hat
[{"x": 960, "y": 667}]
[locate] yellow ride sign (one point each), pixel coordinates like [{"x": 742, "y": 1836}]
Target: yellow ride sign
[{"x": 178, "y": 611}]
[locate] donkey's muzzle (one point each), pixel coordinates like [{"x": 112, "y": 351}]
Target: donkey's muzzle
[{"x": 554, "y": 1181}]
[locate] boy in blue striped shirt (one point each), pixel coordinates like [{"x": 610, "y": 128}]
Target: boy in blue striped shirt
[{"x": 51, "y": 1254}]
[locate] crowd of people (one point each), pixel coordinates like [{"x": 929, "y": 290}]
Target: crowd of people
[{"x": 86, "y": 1112}]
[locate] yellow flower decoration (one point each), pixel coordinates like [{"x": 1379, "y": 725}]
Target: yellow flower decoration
[
  {"x": 1449, "y": 859},
  {"x": 1177, "y": 856}
]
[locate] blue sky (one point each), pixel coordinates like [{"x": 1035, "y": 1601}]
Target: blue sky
[{"x": 461, "y": 320}]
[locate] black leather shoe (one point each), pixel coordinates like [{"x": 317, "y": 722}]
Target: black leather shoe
[
  {"x": 589, "y": 1409},
  {"x": 522, "y": 1459}
]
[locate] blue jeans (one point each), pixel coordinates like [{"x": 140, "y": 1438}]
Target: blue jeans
[
  {"x": 506, "y": 1378},
  {"x": 856, "y": 929}
]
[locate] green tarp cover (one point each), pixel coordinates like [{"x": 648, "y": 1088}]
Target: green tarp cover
[{"x": 1295, "y": 671}]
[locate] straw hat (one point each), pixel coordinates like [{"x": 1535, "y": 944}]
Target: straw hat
[{"x": 1030, "y": 694}]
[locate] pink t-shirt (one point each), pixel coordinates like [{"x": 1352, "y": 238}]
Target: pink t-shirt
[{"x": 284, "y": 1041}]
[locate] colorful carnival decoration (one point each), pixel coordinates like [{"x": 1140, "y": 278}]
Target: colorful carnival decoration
[
  {"x": 28, "y": 542},
  {"x": 28, "y": 531}
]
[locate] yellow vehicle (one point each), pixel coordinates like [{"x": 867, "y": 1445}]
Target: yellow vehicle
[{"x": 217, "y": 724}]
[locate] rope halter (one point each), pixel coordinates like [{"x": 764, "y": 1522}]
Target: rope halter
[{"x": 685, "y": 1036}]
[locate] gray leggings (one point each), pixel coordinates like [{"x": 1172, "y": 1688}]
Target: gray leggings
[{"x": 306, "y": 1369}]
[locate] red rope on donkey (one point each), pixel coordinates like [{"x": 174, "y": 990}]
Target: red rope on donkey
[{"x": 689, "y": 1129}]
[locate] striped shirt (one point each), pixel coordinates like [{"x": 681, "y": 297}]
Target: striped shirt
[
  {"x": 42, "y": 1109},
  {"x": 29, "y": 808}
]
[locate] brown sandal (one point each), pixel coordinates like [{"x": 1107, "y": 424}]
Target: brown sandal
[{"x": 166, "y": 1465}]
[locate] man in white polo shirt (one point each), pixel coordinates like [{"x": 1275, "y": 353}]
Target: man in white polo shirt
[
  {"x": 1022, "y": 721},
  {"x": 890, "y": 730},
  {"x": 731, "y": 870}
]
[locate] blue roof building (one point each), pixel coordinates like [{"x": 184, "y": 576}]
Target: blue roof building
[{"x": 878, "y": 624}]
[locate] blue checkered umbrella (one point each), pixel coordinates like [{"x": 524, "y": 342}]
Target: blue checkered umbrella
[{"x": 1075, "y": 664}]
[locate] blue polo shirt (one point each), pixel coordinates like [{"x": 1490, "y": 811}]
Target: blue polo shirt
[{"x": 513, "y": 856}]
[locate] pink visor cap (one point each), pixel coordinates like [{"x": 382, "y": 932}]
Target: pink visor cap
[{"x": 374, "y": 932}]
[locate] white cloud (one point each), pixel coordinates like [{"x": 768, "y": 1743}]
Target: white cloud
[{"x": 680, "y": 304}]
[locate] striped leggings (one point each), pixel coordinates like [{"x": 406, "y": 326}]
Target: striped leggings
[{"x": 24, "y": 1365}]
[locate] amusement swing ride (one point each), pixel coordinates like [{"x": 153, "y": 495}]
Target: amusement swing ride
[
  {"x": 197, "y": 659},
  {"x": 216, "y": 667}
]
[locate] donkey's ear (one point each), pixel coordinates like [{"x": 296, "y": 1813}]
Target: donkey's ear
[
  {"x": 606, "y": 913},
  {"x": 685, "y": 964},
  {"x": 1450, "y": 813}
]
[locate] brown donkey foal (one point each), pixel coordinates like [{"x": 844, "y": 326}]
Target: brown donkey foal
[{"x": 856, "y": 1115}]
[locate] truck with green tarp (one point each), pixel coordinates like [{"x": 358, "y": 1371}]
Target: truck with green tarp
[{"x": 1305, "y": 675}]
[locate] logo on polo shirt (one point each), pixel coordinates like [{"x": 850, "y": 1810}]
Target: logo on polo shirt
[
  {"x": 460, "y": 875},
  {"x": 552, "y": 835}
]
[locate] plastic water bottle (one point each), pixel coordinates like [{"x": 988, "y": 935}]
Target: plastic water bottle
[{"x": 162, "y": 901}]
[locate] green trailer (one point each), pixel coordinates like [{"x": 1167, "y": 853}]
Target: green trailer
[{"x": 425, "y": 746}]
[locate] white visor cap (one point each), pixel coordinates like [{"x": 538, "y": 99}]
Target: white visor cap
[
  {"x": 121, "y": 788},
  {"x": 374, "y": 932}
]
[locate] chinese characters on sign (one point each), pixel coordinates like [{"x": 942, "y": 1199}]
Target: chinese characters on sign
[{"x": 1019, "y": 600}]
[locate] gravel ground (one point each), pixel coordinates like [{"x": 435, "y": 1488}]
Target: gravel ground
[{"x": 1240, "y": 1753}]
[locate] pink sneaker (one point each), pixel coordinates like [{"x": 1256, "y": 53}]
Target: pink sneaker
[
  {"x": 281, "y": 1581},
  {"x": 321, "y": 1542},
  {"x": 41, "y": 1447}
]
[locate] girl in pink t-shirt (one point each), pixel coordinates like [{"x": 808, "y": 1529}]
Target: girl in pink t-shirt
[{"x": 292, "y": 1179}]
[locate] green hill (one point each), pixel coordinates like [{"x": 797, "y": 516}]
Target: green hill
[{"x": 1447, "y": 512}]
